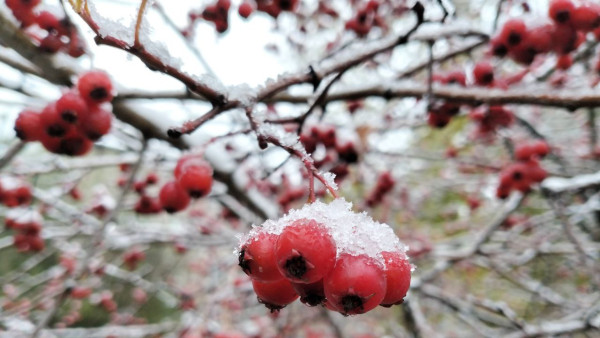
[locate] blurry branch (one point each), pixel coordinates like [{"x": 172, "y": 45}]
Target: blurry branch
[
  {"x": 16, "y": 39},
  {"x": 21, "y": 65},
  {"x": 415, "y": 319},
  {"x": 131, "y": 331},
  {"x": 593, "y": 130},
  {"x": 11, "y": 152},
  {"x": 557, "y": 185}
]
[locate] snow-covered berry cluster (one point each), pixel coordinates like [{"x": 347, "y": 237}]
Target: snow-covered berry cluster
[
  {"x": 326, "y": 254},
  {"x": 71, "y": 124},
  {"x": 27, "y": 226}
]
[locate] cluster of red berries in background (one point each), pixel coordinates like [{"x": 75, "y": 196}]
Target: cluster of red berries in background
[
  {"x": 526, "y": 171},
  {"x": 490, "y": 118},
  {"x": 27, "y": 226},
  {"x": 193, "y": 179},
  {"x": 365, "y": 19},
  {"x": 14, "y": 192},
  {"x": 71, "y": 124},
  {"x": 61, "y": 34},
  {"x": 385, "y": 184},
  {"x": 563, "y": 35},
  {"x": 218, "y": 12},
  {"x": 314, "y": 254}
]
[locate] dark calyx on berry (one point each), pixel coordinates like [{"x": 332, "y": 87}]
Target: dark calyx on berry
[
  {"x": 244, "y": 261},
  {"x": 313, "y": 299},
  {"x": 99, "y": 93},
  {"x": 296, "y": 267},
  {"x": 271, "y": 307},
  {"x": 351, "y": 303}
]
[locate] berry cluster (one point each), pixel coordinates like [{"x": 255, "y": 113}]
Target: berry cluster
[
  {"x": 71, "y": 124},
  {"x": 440, "y": 113},
  {"x": 14, "y": 192},
  {"x": 217, "y": 13},
  {"x": 27, "y": 226},
  {"x": 365, "y": 19},
  {"x": 385, "y": 184},
  {"x": 490, "y": 118},
  {"x": 193, "y": 179},
  {"x": 326, "y": 255},
  {"x": 526, "y": 171},
  {"x": 561, "y": 36},
  {"x": 61, "y": 34}
]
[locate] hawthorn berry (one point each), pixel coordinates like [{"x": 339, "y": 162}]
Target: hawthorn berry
[
  {"x": 195, "y": 177},
  {"x": 275, "y": 295},
  {"x": 561, "y": 10},
  {"x": 483, "y": 73},
  {"x": 397, "y": 276},
  {"x": 305, "y": 251},
  {"x": 95, "y": 87},
  {"x": 513, "y": 32},
  {"x": 71, "y": 107},
  {"x": 96, "y": 123},
  {"x": 28, "y": 126},
  {"x": 173, "y": 197},
  {"x": 586, "y": 17},
  {"x": 257, "y": 257},
  {"x": 355, "y": 285},
  {"x": 74, "y": 144},
  {"x": 52, "y": 121},
  {"x": 312, "y": 294},
  {"x": 245, "y": 9}
]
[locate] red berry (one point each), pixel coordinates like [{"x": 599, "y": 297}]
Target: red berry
[
  {"x": 173, "y": 197},
  {"x": 71, "y": 107},
  {"x": 561, "y": 10},
  {"x": 513, "y": 32},
  {"x": 355, "y": 285},
  {"x": 456, "y": 77},
  {"x": 305, "y": 251},
  {"x": 28, "y": 126},
  {"x": 195, "y": 177},
  {"x": 275, "y": 295},
  {"x": 397, "y": 275},
  {"x": 53, "y": 123},
  {"x": 80, "y": 292},
  {"x": 95, "y": 87},
  {"x": 51, "y": 44},
  {"x": 48, "y": 21},
  {"x": 483, "y": 73},
  {"x": 564, "y": 62},
  {"x": 586, "y": 17},
  {"x": 74, "y": 144},
  {"x": 310, "y": 294},
  {"x": 257, "y": 258},
  {"x": 540, "y": 148},
  {"x": 245, "y": 9},
  {"x": 96, "y": 123}
]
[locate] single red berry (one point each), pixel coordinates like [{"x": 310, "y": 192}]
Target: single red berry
[
  {"x": 257, "y": 258},
  {"x": 173, "y": 197},
  {"x": 483, "y": 73},
  {"x": 311, "y": 294},
  {"x": 95, "y": 87},
  {"x": 28, "y": 126},
  {"x": 561, "y": 10},
  {"x": 564, "y": 62},
  {"x": 397, "y": 276},
  {"x": 71, "y": 107},
  {"x": 48, "y": 21},
  {"x": 245, "y": 9},
  {"x": 151, "y": 178},
  {"x": 513, "y": 32},
  {"x": 456, "y": 77},
  {"x": 540, "y": 148},
  {"x": 36, "y": 243},
  {"x": 498, "y": 47},
  {"x": 53, "y": 123},
  {"x": 586, "y": 17},
  {"x": 355, "y": 285},
  {"x": 148, "y": 205},
  {"x": 80, "y": 292},
  {"x": 305, "y": 251},
  {"x": 52, "y": 43},
  {"x": 275, "y": 295},
  {"x": 196, "y": 177},
  {"x": 74, "y": 144},
  {"x": 96, "y": 123}
]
